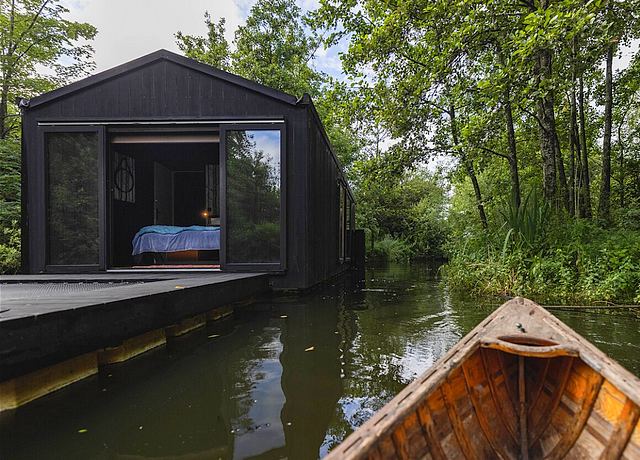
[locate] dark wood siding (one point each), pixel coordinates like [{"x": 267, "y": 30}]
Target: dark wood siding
[
  {"x": 324, "y": 206},
  {"x": 165, "y": 90}
]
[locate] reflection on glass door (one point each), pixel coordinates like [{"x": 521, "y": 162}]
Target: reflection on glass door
[
  {"x": 73, "y": 214},
  {"x": 253, "y": 196}
]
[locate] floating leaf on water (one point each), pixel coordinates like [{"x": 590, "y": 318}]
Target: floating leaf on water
[
  {"x": 283, "y": 316},
  {"x": 140, "y": 427},
  {"x": 82, "y": 430},
  {"x": 310, "y": 349},
  {"x": 213, "y": 336}
]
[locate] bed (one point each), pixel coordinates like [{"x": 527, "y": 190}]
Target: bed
[{"x": 169, "y": 238}]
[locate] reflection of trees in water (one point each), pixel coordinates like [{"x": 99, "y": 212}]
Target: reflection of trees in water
[
  {"x": 73, "y": 198},
  {"x": 396, "y": 331},
  {"x": 310, "y": 380},
  {"x": 253, "y": 197}
]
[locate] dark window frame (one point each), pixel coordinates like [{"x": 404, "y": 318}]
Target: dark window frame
[
  {"x": 237, "y": 266},
  {"x": 100, "y": 131},
  {"x": 342, "y": 221}
]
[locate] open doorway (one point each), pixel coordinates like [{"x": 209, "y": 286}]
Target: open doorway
[{"x": 165, "y": 200}]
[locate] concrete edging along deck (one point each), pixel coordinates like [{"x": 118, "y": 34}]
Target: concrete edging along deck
[{"x": 46, "y": 336}]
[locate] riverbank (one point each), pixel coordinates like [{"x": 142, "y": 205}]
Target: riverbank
[{"x": 573, "y": 263}]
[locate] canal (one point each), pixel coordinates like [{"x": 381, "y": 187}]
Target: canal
[{"x": 288, "y": 377}]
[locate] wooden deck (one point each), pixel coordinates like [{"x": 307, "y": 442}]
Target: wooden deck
[{"x": 45, "y": 319}]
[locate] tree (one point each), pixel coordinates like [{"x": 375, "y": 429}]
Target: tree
[
  {"x": 273, "y": 48},
  {"x": 276, "y": 49},
  {"x": 35, "y": 34},
  {"x": 212, "y": 49}
]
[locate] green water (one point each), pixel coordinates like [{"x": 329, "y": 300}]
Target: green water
[{"x": 247, "y": 388}]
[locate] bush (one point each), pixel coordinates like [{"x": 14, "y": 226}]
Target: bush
[
  {"x": 10, "y": 249},
  {"x": 390, "y": 249},
  {"x": 9, "y": 205},
  {"x": 577, "y": 262}
]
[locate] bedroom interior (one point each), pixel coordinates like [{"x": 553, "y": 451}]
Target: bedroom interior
[{"x": 165, "y": 199}]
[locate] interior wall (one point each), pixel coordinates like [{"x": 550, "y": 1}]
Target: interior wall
[
  {"x": 163, "y": 195},
  {"x": 189, "y": 198},
  {"x": 128, "y": 218}
]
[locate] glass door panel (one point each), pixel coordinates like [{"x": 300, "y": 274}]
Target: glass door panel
[
  {"x": 253, "y": 215},
  {"x": 74, "y": 194}
]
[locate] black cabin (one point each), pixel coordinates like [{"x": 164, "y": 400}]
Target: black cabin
[{"x": 167, "y": 163}]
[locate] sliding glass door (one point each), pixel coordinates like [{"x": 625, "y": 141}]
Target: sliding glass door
[
  {"x": 253, "y": 212},
  {"x": 75, "y": 193}
]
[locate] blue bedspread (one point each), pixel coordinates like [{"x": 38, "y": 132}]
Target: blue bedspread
[{"x": 169, "y": 238}]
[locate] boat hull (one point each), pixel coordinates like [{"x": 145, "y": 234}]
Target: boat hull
[{"x": 521, "y": 385}]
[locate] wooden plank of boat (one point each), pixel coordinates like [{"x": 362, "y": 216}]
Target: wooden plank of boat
[{"x": 521, "y": 385}]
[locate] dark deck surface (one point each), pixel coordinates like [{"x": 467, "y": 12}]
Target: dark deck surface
[
  {"x": 33, "y": 295},
  {"x": 48, "y": 318}
]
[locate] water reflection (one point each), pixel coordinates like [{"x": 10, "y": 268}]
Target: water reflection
[{"x": 289, "y": 377}]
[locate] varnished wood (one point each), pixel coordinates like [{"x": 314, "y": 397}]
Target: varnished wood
[
  {"x": 563, "y": 399},
  {"x": 456, "y": 422},
  {"x": 571, "y": 435},
  {"x": 618, "y": 441},
  {"x": 498, "y": 445},
  {"x": 524, "y": 443},
  {"x": 426, "y": 421},
  {"x": 399, "y": 438},
  {"x": 539, "y": 387},
  {"x": 538, "y": 429},
  {"x": 499, "y": 402}
]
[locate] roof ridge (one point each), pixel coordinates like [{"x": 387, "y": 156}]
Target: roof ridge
[{"x": 161, "y": 54}]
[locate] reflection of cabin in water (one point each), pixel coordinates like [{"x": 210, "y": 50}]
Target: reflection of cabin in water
[{"x": 166, "y": 163}]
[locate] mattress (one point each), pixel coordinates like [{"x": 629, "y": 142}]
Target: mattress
[{"x": 162, "y": 238}]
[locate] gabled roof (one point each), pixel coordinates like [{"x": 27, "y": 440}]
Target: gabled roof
[{"x": 161, "y": 55}]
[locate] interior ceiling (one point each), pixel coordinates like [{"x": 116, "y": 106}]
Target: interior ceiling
[{"x": 175, "y": 156}]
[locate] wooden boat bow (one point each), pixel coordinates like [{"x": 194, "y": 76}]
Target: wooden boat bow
[{"x": 521, "y": 385}]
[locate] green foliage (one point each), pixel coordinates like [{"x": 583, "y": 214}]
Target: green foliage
[
  {"x": 212, "y": 49},
  {"x": 578, "y": 263},
  {"x": 10, "y": 248},
  {"x": 391, "y": 250},
  {"x": 9, "y": 182},
  {"x": 275, "y": 48},
  {"x": 35, "y": 34},
  {"x": 526, "y": 223},
  {"x": 406, "y": 214},
  {"x": 9, "y": 205}
]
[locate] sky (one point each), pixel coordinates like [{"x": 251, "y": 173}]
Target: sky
[{"x": 128, "y": 29}]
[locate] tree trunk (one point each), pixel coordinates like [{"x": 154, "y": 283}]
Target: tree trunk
[
  {"x": 547, "y": 130},
  {"x": 572, "y": 171},
  {"x": 8, "y": 49},
  {"x": 4, "y": 130},
  {"x": 621, "y": 161},
  {"x": 586, "y": 182},
  {"x": 560, "y": 168},
  {"x": 513, "y": 158},
  {"x": 468, "y": 165},
  {"x": 604, "y": 211},
  {"x": 576, "y": 170}
]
